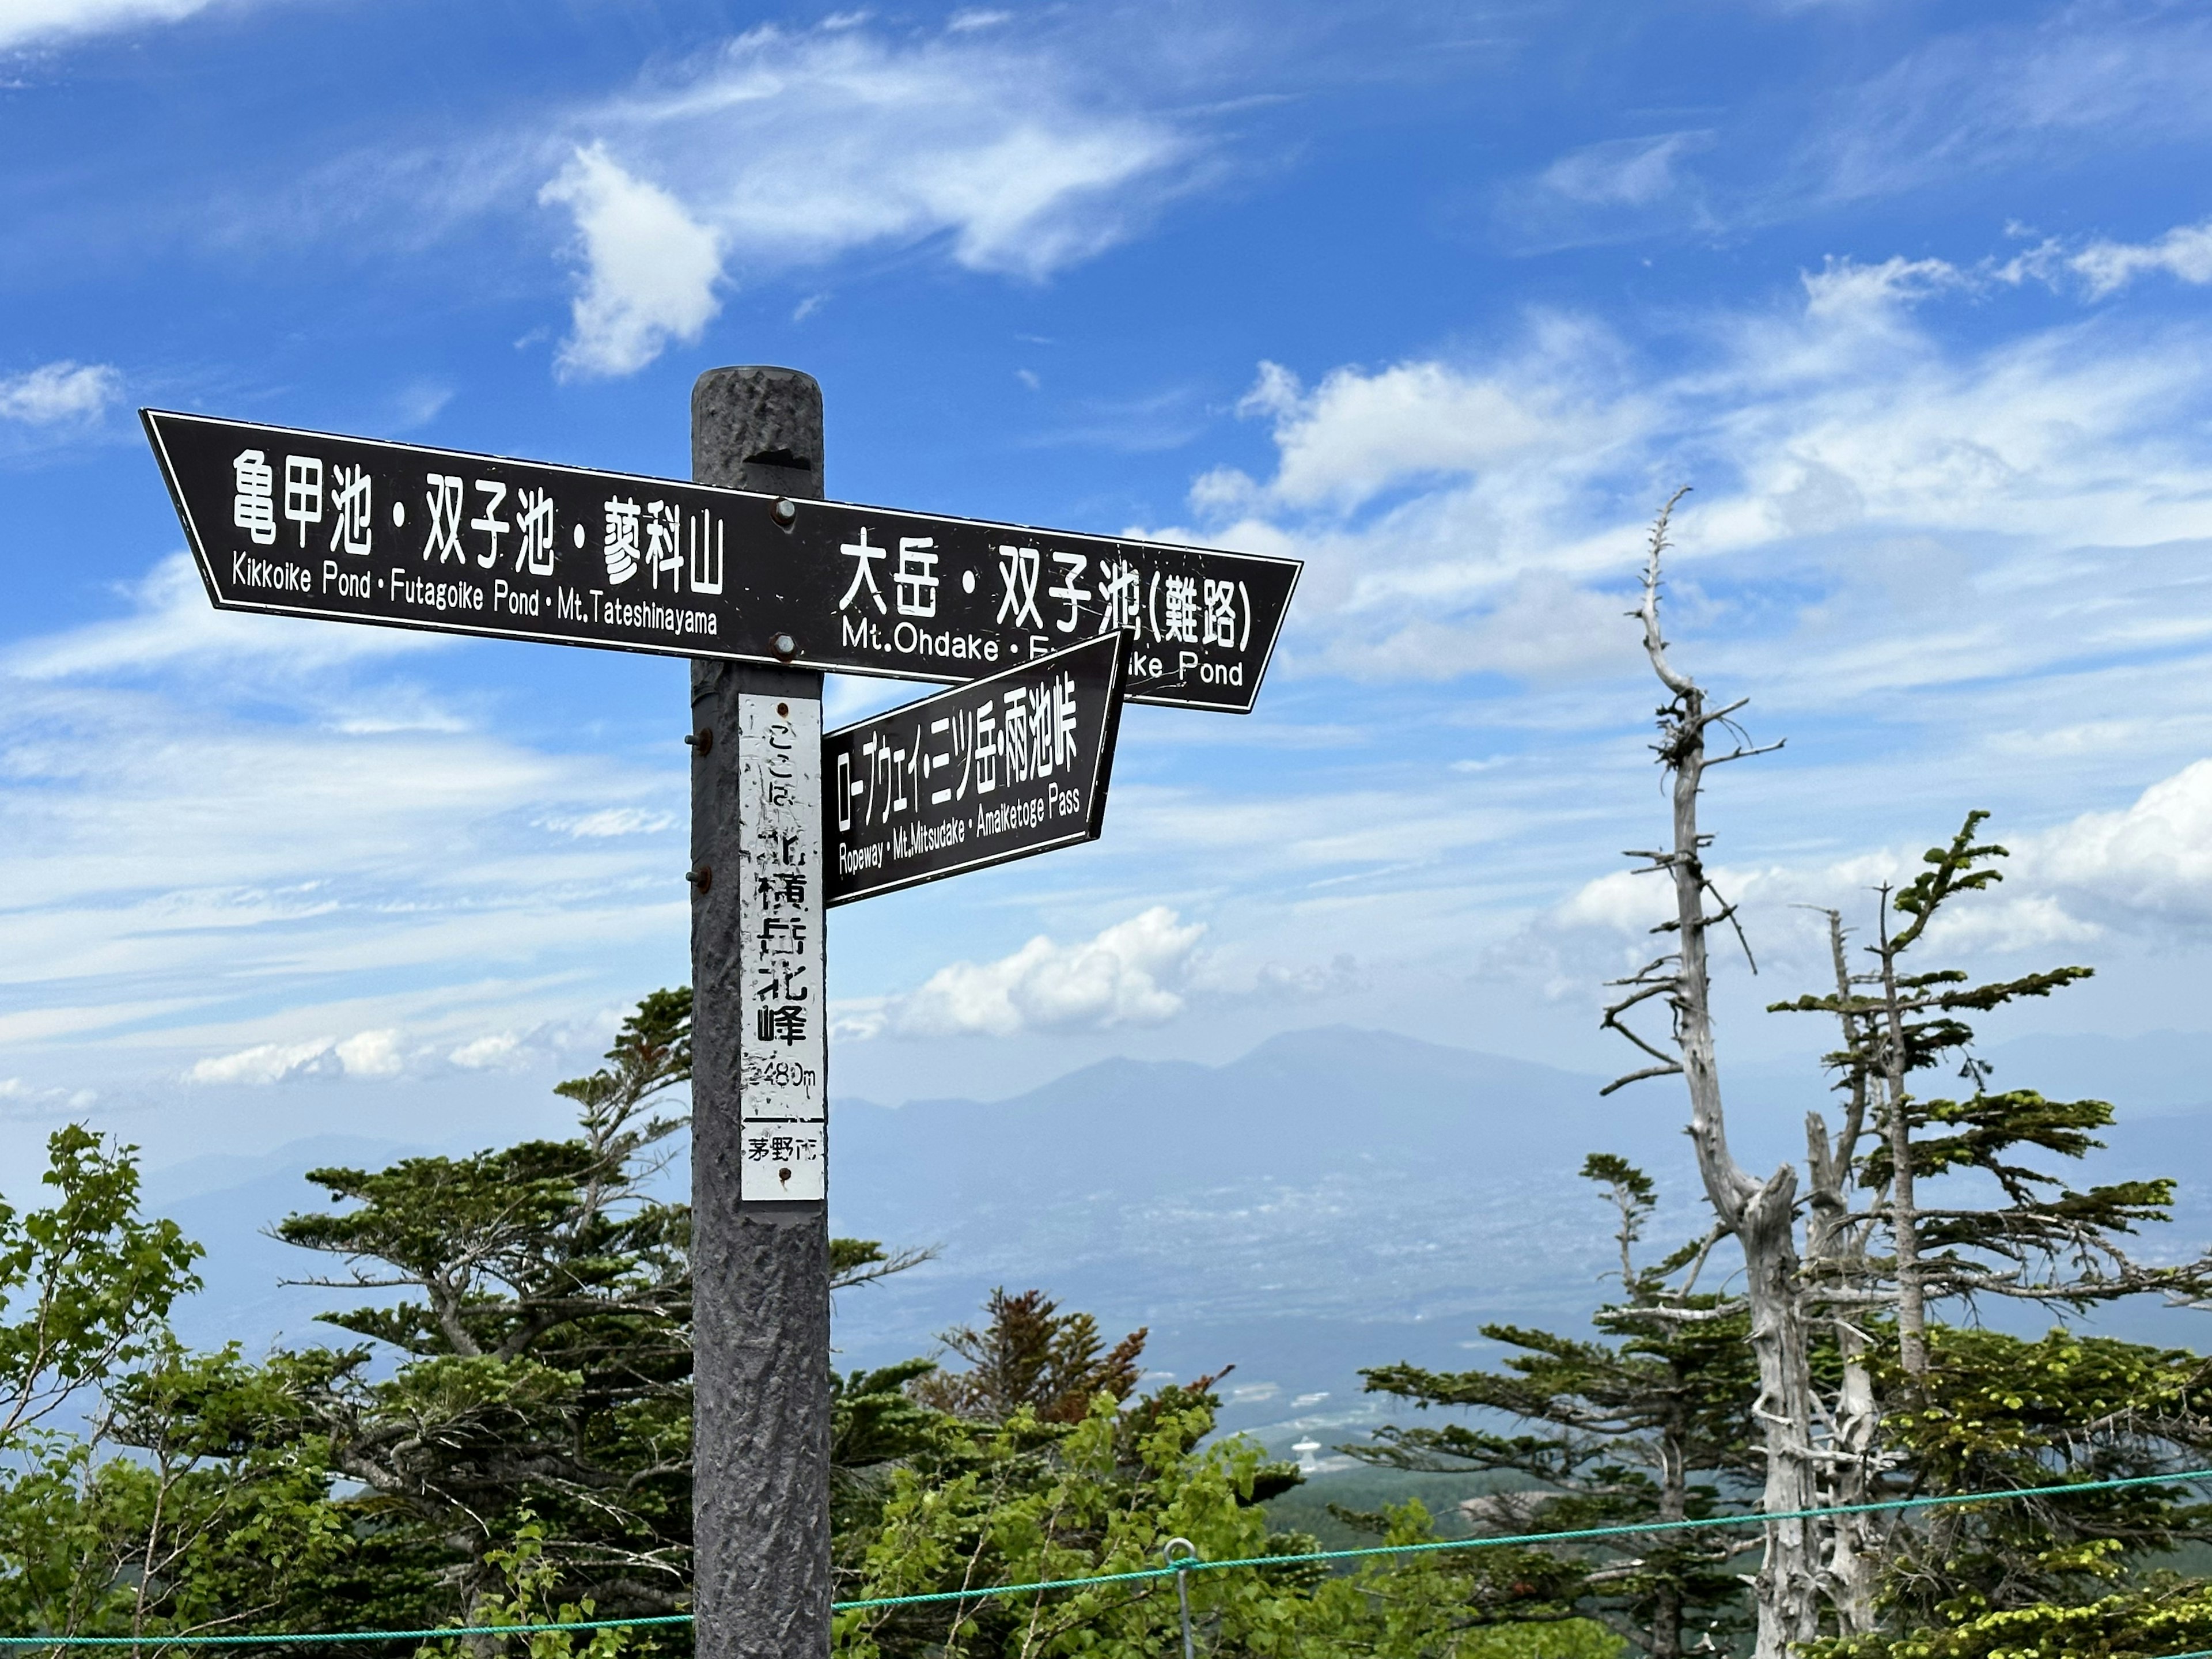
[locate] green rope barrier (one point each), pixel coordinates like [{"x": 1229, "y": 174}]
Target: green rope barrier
[
  {"x": 442, "y": 1631},
  {"x": 268, "y": 1640},
  {"x": 1494, "y": 1542},
  {"x": 987, "y": 1592}
]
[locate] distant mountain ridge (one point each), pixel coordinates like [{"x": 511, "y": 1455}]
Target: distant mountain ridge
[{"x": 1336, "y": 1197}]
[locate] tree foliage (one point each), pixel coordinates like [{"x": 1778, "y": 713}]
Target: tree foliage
[
  {"x": 85, "y": 1282},
  {"x": 2043, "y": 1240},
  {"x": 1029, "y": 1353},
  {"x": 504, "y": 1436},
  {"x": 1652, "y": 1424}
]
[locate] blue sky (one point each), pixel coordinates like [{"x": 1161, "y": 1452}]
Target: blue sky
[{"x": 1443, "y": 299}]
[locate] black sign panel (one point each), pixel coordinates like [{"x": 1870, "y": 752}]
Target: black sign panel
[
  {"x": 991, "y": 771},
  {"x": 356, "y": 530}
]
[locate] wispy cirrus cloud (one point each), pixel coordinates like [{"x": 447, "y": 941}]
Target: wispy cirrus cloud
[
  {"x": 171, "y": 625},
  {"x": 2015, "y": 90},
  {"x": 788, "y": 148},
  {"x": 200, "y": 820},
  {"x": 1611, "y": 190},
  {"x": 26, "y": 23}
]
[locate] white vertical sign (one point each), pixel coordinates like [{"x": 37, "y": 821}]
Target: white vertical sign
[{"x": 783, "y": 1036}]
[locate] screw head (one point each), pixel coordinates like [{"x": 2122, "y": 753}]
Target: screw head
[
  {"x": 784, "y": 646},
  {"x": 701, "y": 879},
  {"x": 701, "y": 741},
  {"x": 786, "y": 511}
]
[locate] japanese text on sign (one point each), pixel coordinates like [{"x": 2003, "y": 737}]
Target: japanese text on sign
[
  {"x": 313, "y": 525},
  {"x": 1008, "y": 766},
  {"x": 782, "y": 1037}
]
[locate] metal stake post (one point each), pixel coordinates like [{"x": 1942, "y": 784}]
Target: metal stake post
[{"x": 760, "y": 1250}]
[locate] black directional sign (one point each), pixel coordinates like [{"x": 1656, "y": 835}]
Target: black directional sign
[
  {"x": 992, "y": 771},
  {"x": 309, "y": 524}
]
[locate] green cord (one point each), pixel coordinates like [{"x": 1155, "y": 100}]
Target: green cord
[
  {"x": 1534, "y": 1537},
  {"x": 989, "y": 1591}
]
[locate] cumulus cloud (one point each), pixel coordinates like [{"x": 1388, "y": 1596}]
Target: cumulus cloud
[
  {"x": 387, "y": 1052},
  {"x": 1131, "y": 973},
  {"x": 370, "y": 1054},
  {"x": 650, "y": 270},
  {"x": 2149, "y": 863},
  {"x": 495, "y": 1050},
  {"x": 365, "y": 1053},
  {"x": 786, "y": 149},
  {"x": 1358, "y": 433},
  {"x": 2143, "y": 870},
  {"x": 1480, "y": 512},
  {"x": 270, "y": 1062},
  {"x": 61, "y": 393}
]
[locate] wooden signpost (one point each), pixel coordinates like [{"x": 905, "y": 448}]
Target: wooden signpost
[{"x": 765, "y": 586}]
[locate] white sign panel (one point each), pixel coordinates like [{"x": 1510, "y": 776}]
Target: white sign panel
[{"x": 783, "y": 1037}]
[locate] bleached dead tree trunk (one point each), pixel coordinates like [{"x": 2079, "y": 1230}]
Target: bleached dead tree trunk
[
  {"x": 1761, "y": 1214},
  {"x": 1836, "y": 1264}
]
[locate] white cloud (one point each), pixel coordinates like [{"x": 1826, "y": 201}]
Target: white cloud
[
  {"x": 269, "y": 1062},
  {"x": 370, "y": 1054},
  {"x": 1621, "y": 901},
  {"x": 2184, "y": 253},
  {"x": 788, "y": 149},
  {"x": 22, "y": 21},
  {"x": 22, "y": 1100},
  {"x": 60, "y": 391},
  {"x": 174, "y": 625},
  {"x": 650, "y": 269},
  {"x": 497, "y": 1049},
  {"x": 1862, "y": 296},
  {"x": 2143, "y": 870},
  {"x": 1462, "y": 514},
  {"x": 1359, "y": 432},
  {"x": 613, "y": 820},
  {"x": 185, "y": 846},
  {"x": 1131, "y": 973},
  {"x": 1968, "y": 102},
  {"x": 364, "y": 1055},
  {"x": 1623, "y": 172},
  {"x": 2147, "y": 864}
]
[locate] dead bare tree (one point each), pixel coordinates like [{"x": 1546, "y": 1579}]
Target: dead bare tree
[
  {"x": 1838, "y": 1278},
  {"x": 1759, "y": 1213}
]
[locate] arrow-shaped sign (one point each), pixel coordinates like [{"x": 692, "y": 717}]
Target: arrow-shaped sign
[
  {"x": 309, "y": 524},
  {"x": 986, "y": 773}
]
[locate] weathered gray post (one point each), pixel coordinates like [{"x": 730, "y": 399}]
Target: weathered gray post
[{"x": 760, "y": 1251}]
